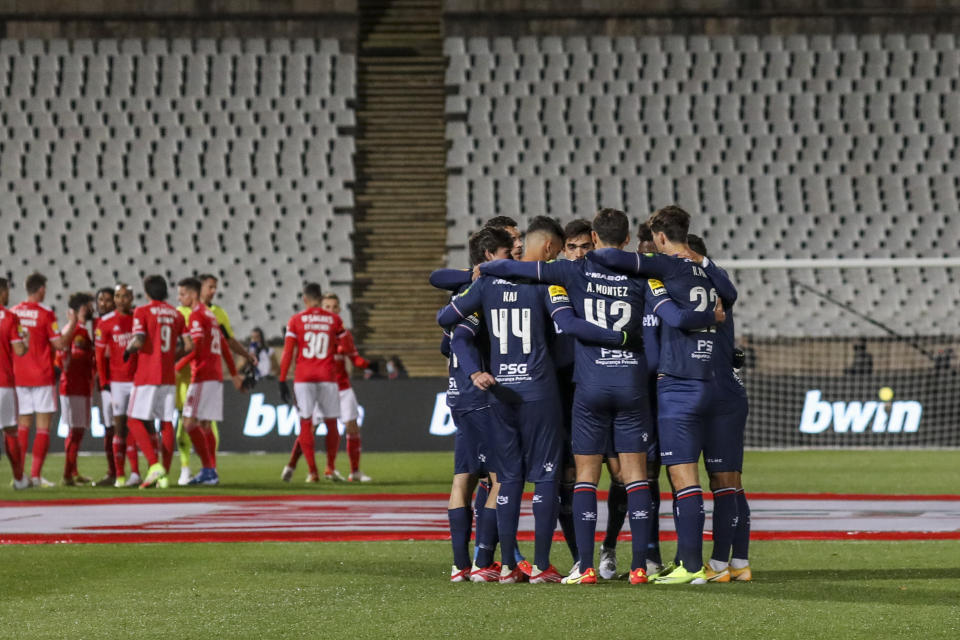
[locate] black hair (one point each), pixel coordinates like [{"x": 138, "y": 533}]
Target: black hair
[
  {"x": 487, "y": 239},
  {"x": 79, "y": 300},
  {"x": 313, "y": 291},
  {"x": 501, "y": 222},
  {"x": 576, "y": 228},
  {"x": 35, "y": 282},
  {"x": 108, "y": 290},
  {"x": 194, "y": 284},
  {"x": 643, "y": 233},
  {"x": 696, "y": 243},
  {"x": 672, "y": 221},
  {"x": 203, "y": 277},
  {"x": 156, "y": 287},
  {"x": 612, "y": 226},
  {"x": 546, "y": 224}
]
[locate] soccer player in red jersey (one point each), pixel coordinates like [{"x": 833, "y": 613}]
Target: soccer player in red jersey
[
  {"x": 105, "y": 305},
  {"x": 11, "y": 343},
  {"x": 113, "y": 334},
  {"x": 156, "y": 327},
  {"x": 349, "y": 410},
  {"x": 76, "y": 387},
  {"x": 315, "y": 335},
  {"x": 205, "y": 393},
  {"x": 34, "y": 374}
]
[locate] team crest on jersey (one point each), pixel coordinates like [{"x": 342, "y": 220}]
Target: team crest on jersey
[
  {"x": 558, "y": 294},
  {"x": 656, "y": 287},
  {"x": 56, "y": 327},
  {"x": 548, "y": 467}
]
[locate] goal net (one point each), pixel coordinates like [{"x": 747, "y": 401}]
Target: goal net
[{"x": 850, "y": 352}]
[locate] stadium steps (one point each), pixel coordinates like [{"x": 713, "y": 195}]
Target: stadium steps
[{"x": 400, "y": 187}]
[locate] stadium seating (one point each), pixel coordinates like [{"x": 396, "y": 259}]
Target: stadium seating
[
  {"x": 124, "y": 157},
  {"x": 800, "y": 146}
]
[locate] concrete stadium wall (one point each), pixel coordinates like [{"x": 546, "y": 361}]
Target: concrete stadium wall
[
  {"x": 179, "y": 19},
  {"x": 656, "y": 17}
]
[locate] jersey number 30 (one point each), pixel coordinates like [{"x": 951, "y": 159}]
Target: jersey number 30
[{"x": 315, "y": 345}]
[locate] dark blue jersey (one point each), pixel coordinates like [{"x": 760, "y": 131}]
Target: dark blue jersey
[
  {"x": 727, "y": 379},
  {"x": 651, "y": 329},
  {"x": 563, "y": 342},
  {"x": 520, "y": 321},
  {"x": 601, "y": 296},
  {"x": 465, "y": 359}
]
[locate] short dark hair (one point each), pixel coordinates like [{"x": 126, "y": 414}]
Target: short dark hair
[
  {"x": 35, "y": 282},
  {"x": 697, "y": 244},
  {"x": 194, "y": 284},
  {"x": 108, "y": 290},
  {"x": 203, "y": 277},
  {"x": 313, "y": 291},
  {"x": 487, "y": 239},
  {"x": 79, "y": 300},
  {"x": 156, "y": 287},
  {"x": 612, "y": 226},
  {"x": 673, "y": 221},
  {"x": 501, "y": 222},
  {"x": 577, "y": 227},
  {"x": 4, "y": 284},
  {"x": 546, "y": 224},
  {"x": 643, "y": 233}
]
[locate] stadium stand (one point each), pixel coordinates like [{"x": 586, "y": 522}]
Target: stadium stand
[
  {"x": 124, "y": 157},
  {"x": 819, "y": 144}
]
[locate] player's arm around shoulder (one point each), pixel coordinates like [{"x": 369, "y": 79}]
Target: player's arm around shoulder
[{"x": 463, "y": 304}]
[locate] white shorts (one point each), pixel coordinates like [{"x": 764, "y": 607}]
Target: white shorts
[
  {"x": 33, "y": 400},
  {"x": 317, "y": 399},
  {"x": 153, "y": 402},
  {"x": 75, "y": 411},
  {"x": 8, "y": 407},
  {"x": 120, "y": 398},
  {"x": 204, "y": 401},
  {"x": 348, "y": 406}
]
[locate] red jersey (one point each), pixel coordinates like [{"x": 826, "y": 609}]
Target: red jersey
[
  {"x": 113, "y": 333},
  {"x": 161, "y": 325},
  {"x": 35, "y": 368},
  {"x": 207, "y": 345},
  {"x": 347, "y": 349},
  {"x": 315, "y": 334},
  {"x": 77, "y": 378},
  {"x": 9, "y": 335}
]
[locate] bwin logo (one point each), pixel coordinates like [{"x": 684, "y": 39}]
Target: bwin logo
[
  {"x": 548, "y": 467},
  {"x": 855, "y": 417},
  {"x": 639, "y": 515},
  {"x": 503, "y": 500},
  {"x": 590, "y": 516},
  {"x": 537, "y": 499}
]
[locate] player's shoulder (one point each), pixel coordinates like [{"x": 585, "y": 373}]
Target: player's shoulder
[{"x": 109, "y": 317}]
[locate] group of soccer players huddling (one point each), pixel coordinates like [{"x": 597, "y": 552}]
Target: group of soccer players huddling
[
  {"x": 556, "y": 365},
  {"x": 151, "y": 363}
]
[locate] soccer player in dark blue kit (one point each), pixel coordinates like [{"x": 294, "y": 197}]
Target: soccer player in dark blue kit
[
  {"x": 723, "y": 455},
  {"x": 611, "y": 400},
  {"x": 471, "y": 413},
  {"x": 528, "y": 441},
  {"x": 685, "y": 389}
]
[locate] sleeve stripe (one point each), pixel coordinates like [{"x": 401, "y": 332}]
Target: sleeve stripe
[
  {"x": 560, "y": 309},
  {"x": 459, "y": 313},
  {"x": 470, "y": 329},
  {"x": 538, "y": 270},
  {"x": 638, "y": 263},
  {"x": 657, "y": 306},
  {"x": 290, "y": 334}
]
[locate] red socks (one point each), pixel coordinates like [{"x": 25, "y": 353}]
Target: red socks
[
  {"x": 132, "y": 454},
  {"x": 108, "y": 450},
  {"x": 41, "y": 443},
  {"x": 12, "y": 445},
  {"x": 333, "y": 442},
  {"x": 295, "y": 454},
  {"x": 119, "y": 454},
  {"x": 138, "y": 431},
  {"x": 211, "y": 446},
  {"x": 167, "y": 443},
  {"x": 353, "y": 451},
  {"x": 307, "y": 443},
  {"x": 23, "y": 438},
  {"x": 199, "y": 440},
  {"x": 71, "y": 448}
]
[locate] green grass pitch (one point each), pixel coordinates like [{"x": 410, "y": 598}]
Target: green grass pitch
[{"x": 400, "y": 589}]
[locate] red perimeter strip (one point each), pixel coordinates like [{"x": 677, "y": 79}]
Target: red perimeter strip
[
  {"x": 375, "y": 497},
  {"x": 346, "y": 536}
]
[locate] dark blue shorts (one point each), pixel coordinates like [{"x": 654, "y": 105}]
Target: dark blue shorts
[
  {"x": 653, "y": 447},
  {"x": 567, "y": 387},
  {"x": 528, "y": 441},
  {"x": 470, "y": 451},
  {"x": 723, "y": 438},
  {"x": 610, "y": 415},
  {"x": 683, "y": 406}
]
